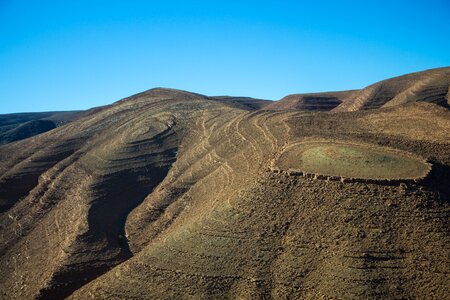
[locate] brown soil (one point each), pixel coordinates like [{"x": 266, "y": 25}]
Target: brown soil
[
  {"x": 169, "y": 194},
  {"x": 427, "y": 86}
]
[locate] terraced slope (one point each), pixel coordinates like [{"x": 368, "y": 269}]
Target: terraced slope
[
  {"x": 221, "y": 225},
  {"x": 311, "y": 102},
  {"x": 427, "y": 86},
  {"x": 169, "y": 194}
]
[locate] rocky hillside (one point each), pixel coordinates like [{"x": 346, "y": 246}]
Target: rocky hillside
[
  {"x": 169, "y": 194},
  {"x": 428, "y": 86},
  {"x": 311, "y": 102}
]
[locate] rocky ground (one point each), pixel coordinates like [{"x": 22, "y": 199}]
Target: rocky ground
[{"x": 170, "y": 194}]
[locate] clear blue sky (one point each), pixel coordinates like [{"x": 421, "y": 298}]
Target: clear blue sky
[{"x": 67, "y": 55}]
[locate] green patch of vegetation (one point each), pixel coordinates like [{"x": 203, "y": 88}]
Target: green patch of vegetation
[{"x": 353, "y": 161}]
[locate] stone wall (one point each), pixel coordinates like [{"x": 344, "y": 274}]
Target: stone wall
[{"x": 381, "y": 181}]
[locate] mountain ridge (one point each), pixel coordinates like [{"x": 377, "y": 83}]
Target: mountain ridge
[{"x": 430, "y": 86}]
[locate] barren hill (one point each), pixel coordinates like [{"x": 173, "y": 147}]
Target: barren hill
[
  {"x": 170, "y": 194},
  {"x": 428, "y": 86},
  {"x": 311, "y": 102}
]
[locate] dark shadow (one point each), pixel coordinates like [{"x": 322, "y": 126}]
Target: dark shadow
[
  {"x": 438, "y": 181},
  {"x": 116, "y": 195}
]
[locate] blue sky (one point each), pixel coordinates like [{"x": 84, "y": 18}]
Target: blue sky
[{"x": 68, "y": 55}]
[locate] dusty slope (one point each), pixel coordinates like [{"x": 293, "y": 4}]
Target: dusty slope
[
  {"x": 169, "y": 194},
  {"x": 240, "y": 231},
  {"x": 311, "y": 102},
  {"x": 427, "y": 86}
]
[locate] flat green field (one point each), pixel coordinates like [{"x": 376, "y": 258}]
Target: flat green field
[{"x": 354, "y": 161}]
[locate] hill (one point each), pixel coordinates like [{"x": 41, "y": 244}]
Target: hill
[
  {"x": 171, "y": 194},
  {"x": 427, "y": 86},
  {"x": 311, "y": 102}
]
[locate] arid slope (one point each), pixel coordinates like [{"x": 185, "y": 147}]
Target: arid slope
[
  {"x": 428, "y": 86},
  {"x": 170, "y": 194}
]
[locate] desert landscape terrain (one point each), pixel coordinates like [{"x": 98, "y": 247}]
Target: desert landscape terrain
[{"x": 169, "y": 194}]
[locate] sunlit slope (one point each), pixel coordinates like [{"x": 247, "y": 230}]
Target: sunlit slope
[
  {"x": 326, "y": 101},
  {"x": 231, "y": 228},
  {"x": 170, "y": 194},
  {"x": 66, "y": 194},
  {"x": 427, "y": 86},
  {"x": 431, "y": 86}
]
